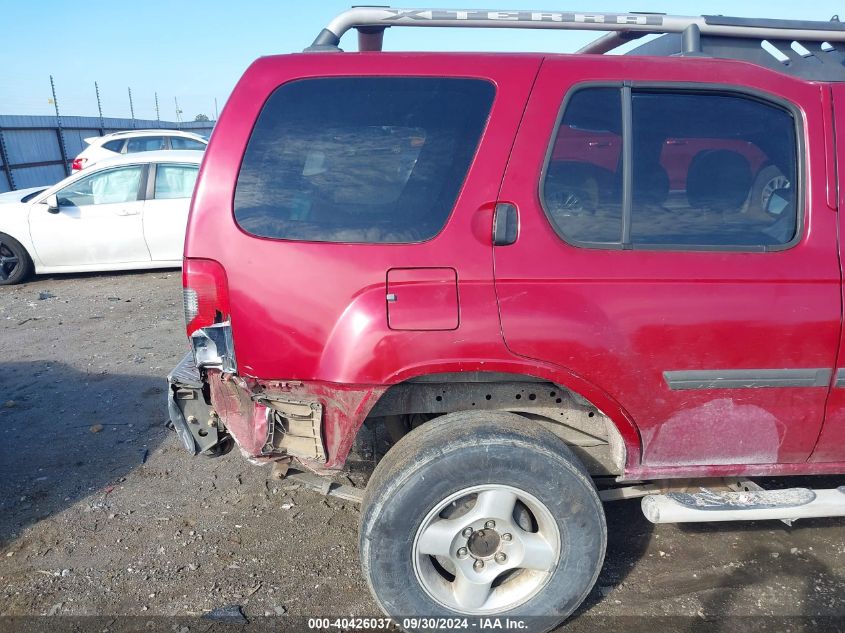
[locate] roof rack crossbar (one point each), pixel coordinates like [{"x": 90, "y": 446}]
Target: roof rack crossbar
[{"x": 366, "y": 19}]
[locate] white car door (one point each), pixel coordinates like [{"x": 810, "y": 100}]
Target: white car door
[
  {"x": 97, "y": 222},
  {"x": 166, "y": 209}
]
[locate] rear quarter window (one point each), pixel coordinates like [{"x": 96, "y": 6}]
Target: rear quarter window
[
  {"x": 180, "y": 142},
  {"x": 367, "y": 160}
]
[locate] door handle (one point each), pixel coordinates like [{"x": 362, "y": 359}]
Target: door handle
[
  {"x": 127, "y": 212},
  {"x": 505, "y": 224}
]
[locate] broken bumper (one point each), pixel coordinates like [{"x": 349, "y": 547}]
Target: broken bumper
[
  {"x": 312, "y": 422},
  {"x": 194, "y": 420}
]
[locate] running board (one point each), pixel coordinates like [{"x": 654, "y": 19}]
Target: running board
[{"x": 753, "y": 505}]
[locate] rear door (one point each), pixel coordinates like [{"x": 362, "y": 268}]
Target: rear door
[
  {"x": 98, "y": 221},
  {"x": 169, "y": 190},
  {"x": 706, "y": 308}
]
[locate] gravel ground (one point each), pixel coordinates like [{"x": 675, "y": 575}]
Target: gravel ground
[{"x": 103, "y": 513}]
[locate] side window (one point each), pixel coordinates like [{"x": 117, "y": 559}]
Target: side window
[
  {"x": 180, "y": 142},
  {"x": 175, "y": 181},
  {"x": 115, "y": 145},
  {"x": 109, "y": 186},
  {"x": 144, "y": 144},
  {"x": 582, "y": 186},
  {"x": 705, "y": 168},
  {"x": 360, "y": 159},
  {"x": 708, "y": 170}
]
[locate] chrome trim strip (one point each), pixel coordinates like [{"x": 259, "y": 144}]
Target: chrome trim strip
[
  {"x": 840, "y": 379},
  {"x": 748, "y": 378}
]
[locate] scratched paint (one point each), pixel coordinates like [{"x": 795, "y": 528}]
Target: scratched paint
[{"x": 717, "y": 432}]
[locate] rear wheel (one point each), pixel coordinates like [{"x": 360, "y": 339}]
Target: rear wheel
[
  {"x": 482, "y": 514},
  {"x": 15, "y": 263}
]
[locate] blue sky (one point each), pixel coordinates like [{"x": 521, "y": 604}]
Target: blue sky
[{"x": 196, "y": 51}]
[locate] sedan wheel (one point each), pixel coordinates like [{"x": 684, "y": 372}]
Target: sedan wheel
[{"x": 15, "y": 264}]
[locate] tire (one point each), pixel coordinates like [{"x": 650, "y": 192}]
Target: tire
[
  {"x": 767, "y": 180},
  {"x": 491, "y": 455},
  {"x": 13, "y": 272}
]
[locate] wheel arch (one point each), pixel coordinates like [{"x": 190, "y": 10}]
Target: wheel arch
[{"x": 470, "y": 384}]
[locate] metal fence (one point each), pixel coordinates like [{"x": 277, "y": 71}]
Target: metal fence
[{"x": 38, "y": 150}]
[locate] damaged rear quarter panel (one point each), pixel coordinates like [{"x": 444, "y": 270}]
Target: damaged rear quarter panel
[
  {"x": 245, "y": 419},
  {"x": 344, "y": 410}
]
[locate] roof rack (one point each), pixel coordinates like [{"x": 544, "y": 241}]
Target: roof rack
[
  {"x": 796, "y": 47},
  {"x": 371, "y": 22}
]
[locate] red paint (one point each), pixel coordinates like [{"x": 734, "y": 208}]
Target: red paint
[
  {"x": 245, "y": 419},
  {"x": 831, "y": 443},
  {"x": 422, "y": 299},
  {"x": 605, "y": 324},
  {"x": 622, "y": 318}
]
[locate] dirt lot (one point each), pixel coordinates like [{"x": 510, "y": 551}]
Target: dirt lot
[{"x": 102, "y": 511}]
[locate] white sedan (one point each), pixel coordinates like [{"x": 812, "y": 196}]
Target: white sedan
[{"x": 123, "y": 213}]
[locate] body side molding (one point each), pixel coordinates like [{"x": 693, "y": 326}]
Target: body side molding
[{"x": 749, "y": 378}]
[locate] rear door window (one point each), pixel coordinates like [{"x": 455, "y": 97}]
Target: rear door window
[
  {"x": 175, "y": 181},
  {"x": 706, "y": 167},
  {"x": 367, "y": 160},
  {"x": 706, "y": 170}
]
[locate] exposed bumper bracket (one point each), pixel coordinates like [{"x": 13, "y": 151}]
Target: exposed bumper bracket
[{"x": 195, "y": 422}]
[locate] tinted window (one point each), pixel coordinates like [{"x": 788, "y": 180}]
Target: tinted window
[
  {"x": 180, "y": 142},
  {"x": 175, "y": 181},
  {"x": 360, "y": 159},
  {"x": 144, "y": 144},
  {"x": 582, "y": 188},
  {"x": 114, "y": 146},
  {"x": 708, "y": 170},
  {"x": 705, "y": 167},
  {"x": 105, "y": 187}
]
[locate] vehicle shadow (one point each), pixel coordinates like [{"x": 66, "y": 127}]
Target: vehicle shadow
[
  {"x": 794, "y": 559},
  {"x": 89, "y": 275},
  {"x": 628, "y": 536},
  {"x": 738, "y": 576},
  {"x": 67, "y": 434}
]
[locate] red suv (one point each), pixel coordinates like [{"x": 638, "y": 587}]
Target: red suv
[{"x": 544, "y": 276}]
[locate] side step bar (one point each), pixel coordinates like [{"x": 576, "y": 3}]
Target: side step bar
[{"x": 752, "y": 505}]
